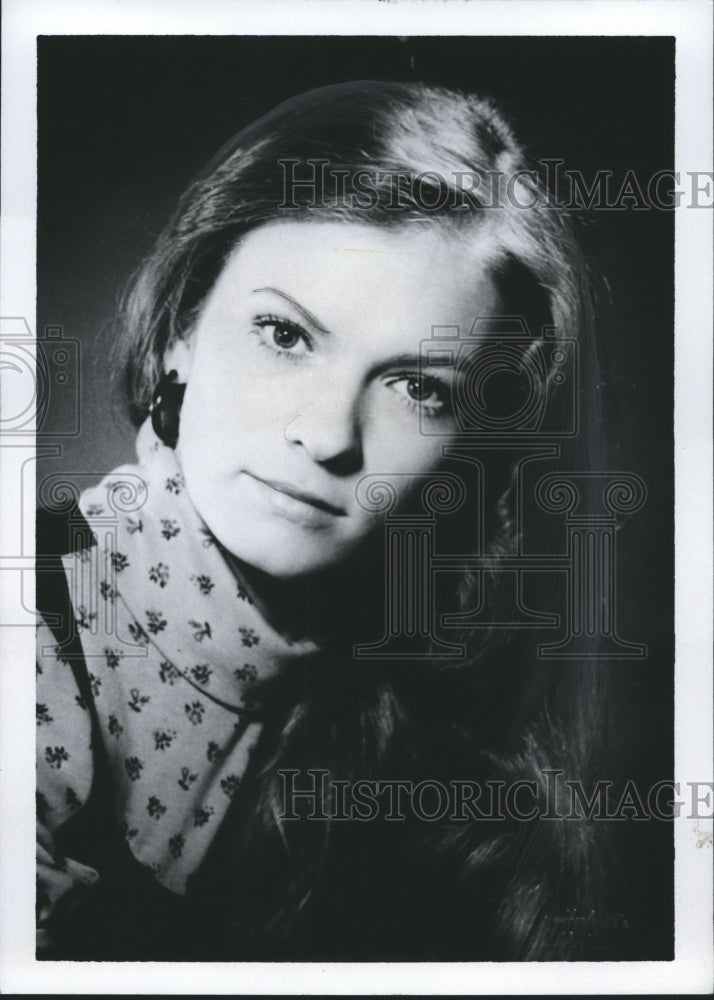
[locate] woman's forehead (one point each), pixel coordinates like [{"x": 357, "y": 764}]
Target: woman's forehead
[
  {"x": 328, "y": 259},
  {"x": 403, "y": 239},
  {"x": 365, "y": 291}
]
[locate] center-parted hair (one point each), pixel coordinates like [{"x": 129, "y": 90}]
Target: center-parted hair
[{"x": 384, "y": 154}]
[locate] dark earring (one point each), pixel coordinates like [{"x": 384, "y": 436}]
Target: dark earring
[{"x": 165, "y": 408}]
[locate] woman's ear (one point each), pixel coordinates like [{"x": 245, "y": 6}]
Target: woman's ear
[{"x": 179, "y": 357}]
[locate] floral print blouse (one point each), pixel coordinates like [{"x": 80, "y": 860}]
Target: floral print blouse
[{"x": 173, "y": 646}]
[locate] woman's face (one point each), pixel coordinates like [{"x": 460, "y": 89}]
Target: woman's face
[{"x": 303, "y": 376}]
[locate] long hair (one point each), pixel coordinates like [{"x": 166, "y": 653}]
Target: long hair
[{"x": 402, "y": 155}]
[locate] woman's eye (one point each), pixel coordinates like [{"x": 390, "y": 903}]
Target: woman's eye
[
  {"x": 419, "y": 389},
  {"x": 423, "y": 393},
  {"x": 283, "y": 336}
]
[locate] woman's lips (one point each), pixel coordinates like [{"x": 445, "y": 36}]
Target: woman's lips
[{"x": 297, "y": 505}]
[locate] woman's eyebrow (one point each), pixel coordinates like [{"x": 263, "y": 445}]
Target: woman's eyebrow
[
  {"x": 301, "y": 309},
  {"x": 417, "y": 361}
]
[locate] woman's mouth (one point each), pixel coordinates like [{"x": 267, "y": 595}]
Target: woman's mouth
[{"x": 295, "y": 504}]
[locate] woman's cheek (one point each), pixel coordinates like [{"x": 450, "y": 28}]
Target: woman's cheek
[{"x": 410, "y": 451}]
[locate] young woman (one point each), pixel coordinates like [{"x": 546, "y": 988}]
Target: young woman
[{"x": 231, "y": 592}]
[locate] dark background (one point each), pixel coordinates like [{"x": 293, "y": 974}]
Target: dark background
[{"x": 125, "y": 123}]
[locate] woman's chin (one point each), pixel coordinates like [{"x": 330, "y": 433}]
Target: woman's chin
[{"x": 288, "y": 563}]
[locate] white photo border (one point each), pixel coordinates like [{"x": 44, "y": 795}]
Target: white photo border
[{"x": 690, "y": 22}]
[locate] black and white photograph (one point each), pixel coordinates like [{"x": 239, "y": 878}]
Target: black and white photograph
[{"x": 349, "y": 468}]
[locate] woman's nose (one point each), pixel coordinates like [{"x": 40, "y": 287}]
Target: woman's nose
[{"x": 328, "y": 428}]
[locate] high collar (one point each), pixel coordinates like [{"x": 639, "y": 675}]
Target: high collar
[{"x": 173, "y": 592}]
